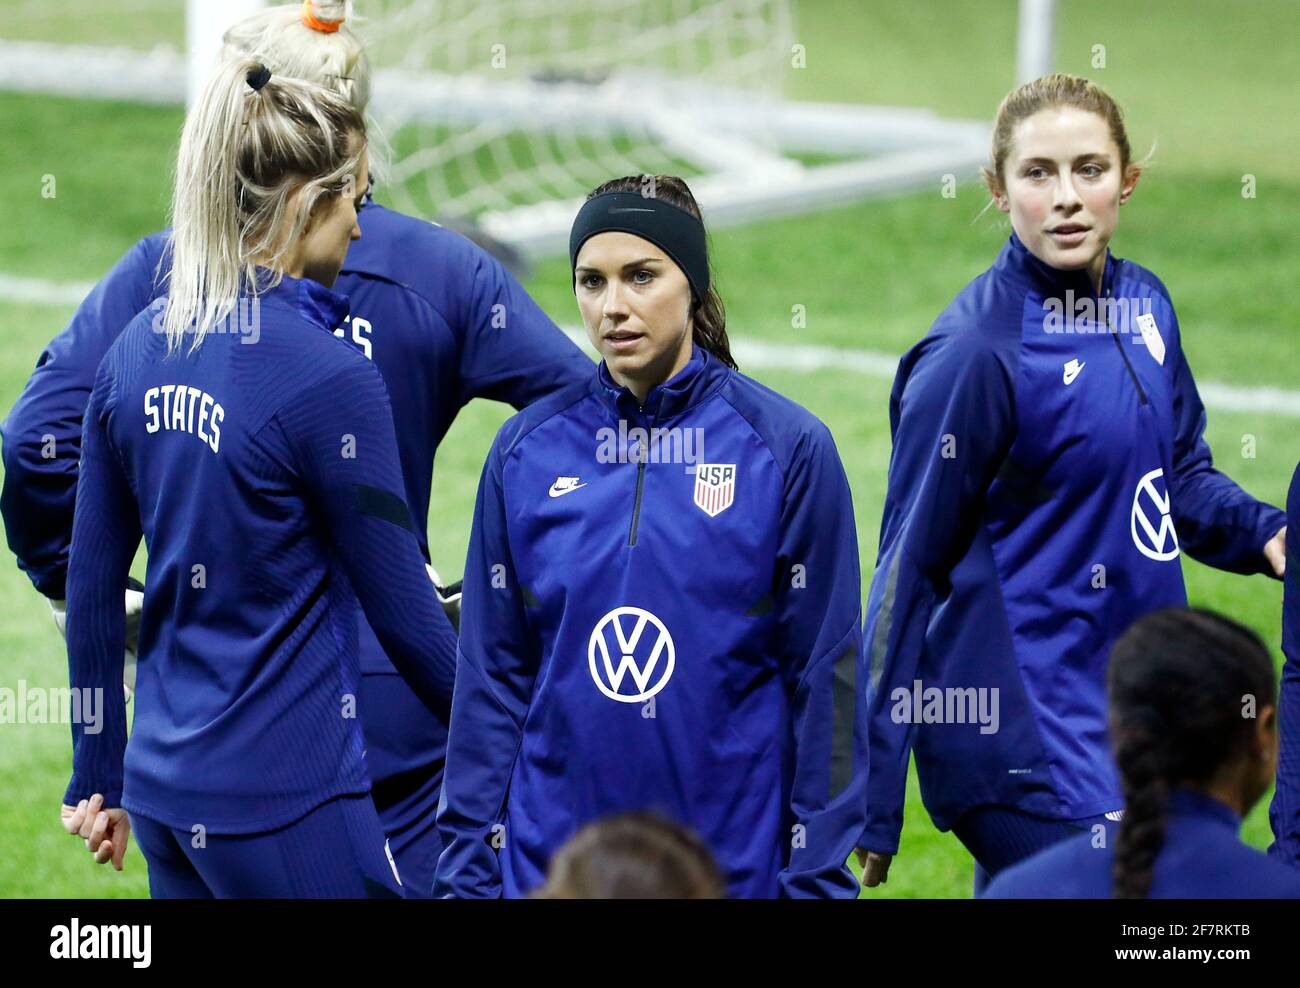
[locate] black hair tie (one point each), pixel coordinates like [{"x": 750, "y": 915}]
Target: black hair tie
[{"x": 258, "y": 77}]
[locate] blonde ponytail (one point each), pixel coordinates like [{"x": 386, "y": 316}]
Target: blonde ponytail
[{"x": 254, "y": 162}]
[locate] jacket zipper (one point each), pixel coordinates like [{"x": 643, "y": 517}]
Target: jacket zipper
[
  {"x": 636, "y": 505},
  {"x": 1128, "y": 364},
  {"x": 643, "y": 454}
]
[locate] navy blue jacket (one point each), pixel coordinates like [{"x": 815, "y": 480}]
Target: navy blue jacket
[
  {"x": 1202, "y": 858},
  {"x": 1284, "y": 811},
  {"x": 266, "y": 482},
  {"x": 671, "y": 624},
  {"x": 1048, "y": 468},
  {"x": 443, "y": 321}
]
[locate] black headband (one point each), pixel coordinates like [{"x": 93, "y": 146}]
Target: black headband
[
  {"x": 258, "y": 77},
  {"x": 673, "y": 230}
]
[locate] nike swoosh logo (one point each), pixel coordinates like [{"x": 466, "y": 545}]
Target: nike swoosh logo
[
  {"x": 1072, "y": 371},
  {"x": 561, "y": 491},
  {"x": 629, "y": 209}
]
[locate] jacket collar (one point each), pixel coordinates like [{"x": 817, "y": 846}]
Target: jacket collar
[
  {"x": 701, "y": 376},
  {"x": 1190, "y": 802},
  {"x": 1017, "y": 262},
  {"x": 309, "y": 299}
]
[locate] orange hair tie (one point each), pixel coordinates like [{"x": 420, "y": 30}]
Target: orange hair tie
[{"x": 315, "y": 23}]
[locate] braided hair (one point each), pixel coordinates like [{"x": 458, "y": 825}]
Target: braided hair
[{"x": 1178, "y": 682}]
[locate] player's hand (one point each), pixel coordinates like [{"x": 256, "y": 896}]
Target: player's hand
[
  {"x": 448, "y": 595},
  {"x": 134, "y": 606},
  {"x": 134, "y": 603},
  {"x": 875, "y": 867},
  {"x": 59, "y": 611},
  {"x": 1275, "y": 552},
  {"x": 106, "y": 832}
]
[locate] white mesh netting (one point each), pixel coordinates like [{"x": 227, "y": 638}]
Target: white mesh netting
[{"x": 491, "y": 105}]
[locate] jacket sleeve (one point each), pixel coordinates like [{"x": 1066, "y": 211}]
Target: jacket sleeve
[
  {"x": 819, "y": 606},
  {"x": 42, "y": 434},
  {"x": 1284, "y": 811},
  {"x": 342, "y": 441},
  {"x": 511, "y": 350},
  {"x": 1217, "y": 522},
  {"x": 496, "y": 669},
  {"x": 105, "y": 535},
  {"x": 953, "y": 421}
]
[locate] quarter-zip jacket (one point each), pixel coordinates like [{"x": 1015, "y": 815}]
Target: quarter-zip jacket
[
  {"x": 1202, "y": 858},
  {"x": 1284, "y": 811},
  {"x": 442, "y": 320},
  {"x": 1048, "y": 469},
  {"x": 644, "y": 633},
  {"x": 263, "y": 474}
]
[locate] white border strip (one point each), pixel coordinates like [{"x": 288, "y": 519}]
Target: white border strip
[
  {"x": 750, "y": 353},
  {"x": 38, "y": 291}
]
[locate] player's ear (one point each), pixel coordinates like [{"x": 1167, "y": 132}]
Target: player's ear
[
  {"x": 1266, "y": 734},
  {"x": 1131, "y": 176},
  {"x": 995, "y": 189}
]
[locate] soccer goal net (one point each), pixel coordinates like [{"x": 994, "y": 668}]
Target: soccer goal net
[{"x": 504, "y": 113}]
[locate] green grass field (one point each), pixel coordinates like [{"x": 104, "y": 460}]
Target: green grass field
[{"x": 1210, "y": 84}]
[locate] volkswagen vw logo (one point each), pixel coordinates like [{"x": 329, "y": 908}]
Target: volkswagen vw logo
[
  {"x": 630, "y": 641},
  {"x": 1150, "y": 500}
]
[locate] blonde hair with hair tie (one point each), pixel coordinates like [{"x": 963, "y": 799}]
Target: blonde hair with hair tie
[
  {"x": 309, "y": 18},
  {"x": 253, "y": 165},
  {"x": 308, "y": 41}
]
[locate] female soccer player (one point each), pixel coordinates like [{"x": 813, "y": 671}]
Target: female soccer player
[
  {"x": 1284, "y": 812},
  {"x": 662, "y": 594},
  {"x": 1048, "y": 469},
  {"x": 1194, "y": 720},
  {"x": 443, "y": 322},
  {"x": 257, "y": 455}
]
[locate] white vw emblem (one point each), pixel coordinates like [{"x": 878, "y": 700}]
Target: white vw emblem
[
  {"x": 628, "y": 646},
  {"x": 1153, "y": 546}
]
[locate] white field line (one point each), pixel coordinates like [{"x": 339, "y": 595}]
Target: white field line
[
  {"x": 813, "y": 359},
  {"x": 38, "y": 291},
  {"x": 749, "y": 353}
]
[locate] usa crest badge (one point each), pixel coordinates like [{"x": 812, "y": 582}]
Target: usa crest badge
[{"x": 715, "y": 487}]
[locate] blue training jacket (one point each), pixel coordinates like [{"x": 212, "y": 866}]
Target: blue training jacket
[
  {"x": 1048, "y": 468},
  {"x": 680, "y": 637},
  {"x": 1284, "y": 811},
  {"x": 1202, "y": 858},
  {"x": 443, "y": 321},
  {"x": 262, "y": 471}
]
